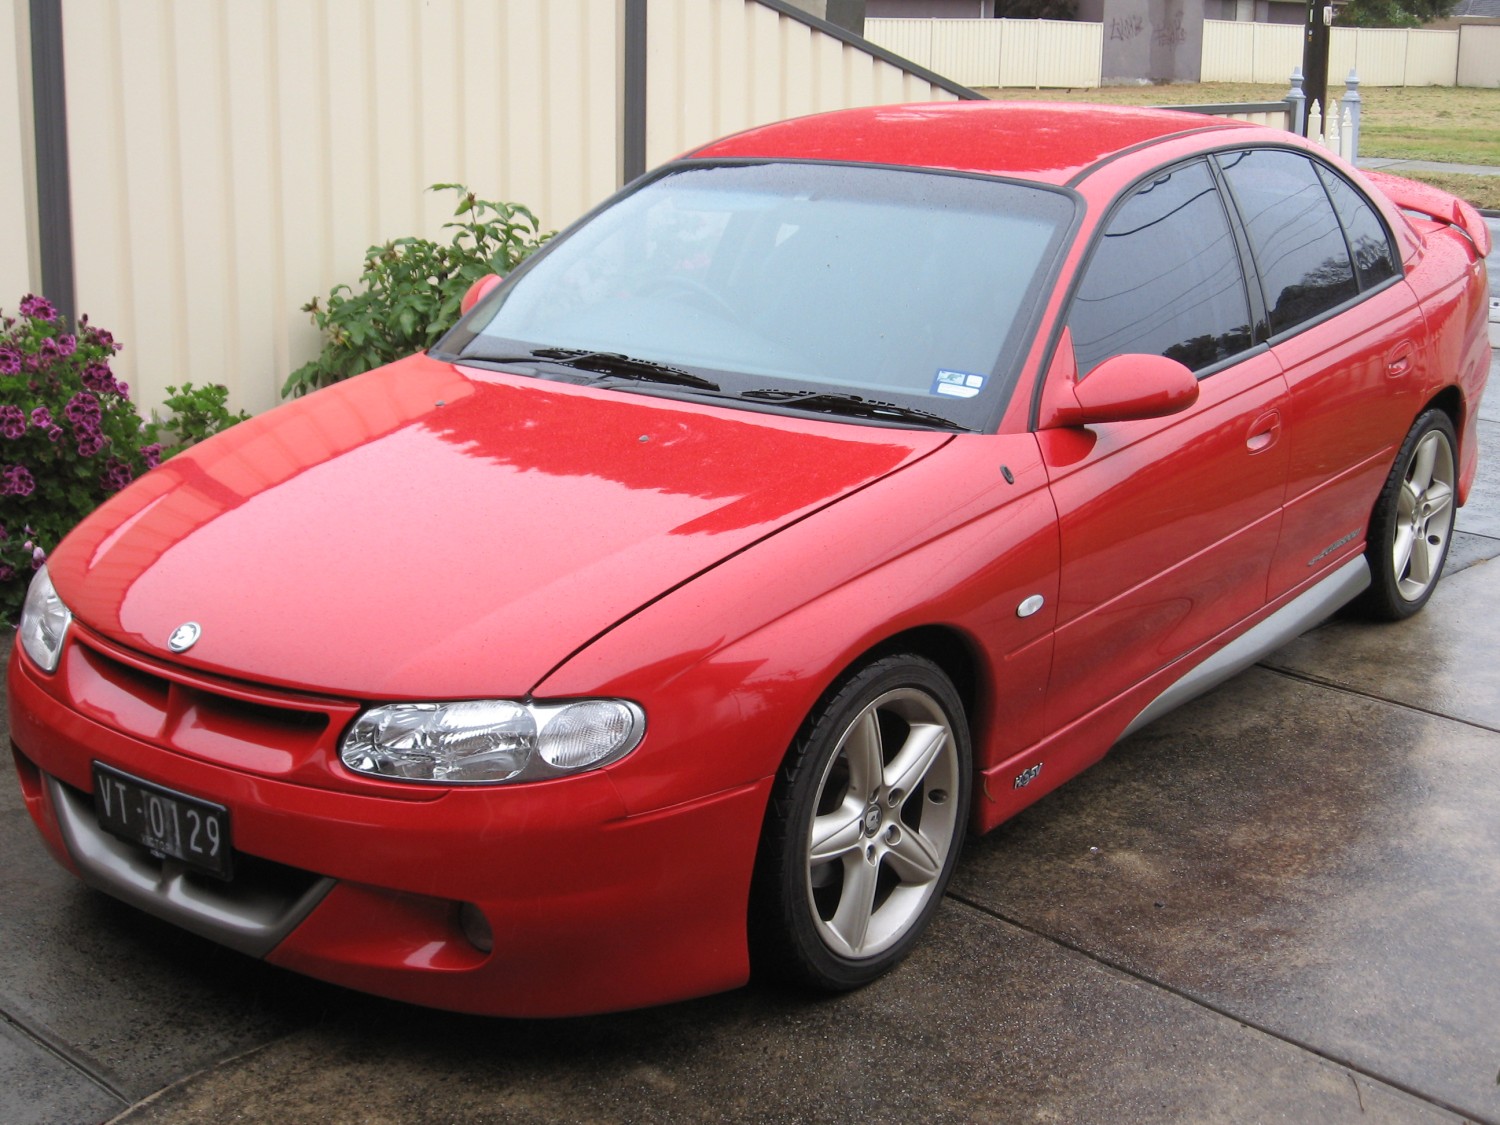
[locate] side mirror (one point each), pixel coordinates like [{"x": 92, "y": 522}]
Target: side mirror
[
  {"x": 478, "y": 291},
  {"x": 1121, "y": 389}
]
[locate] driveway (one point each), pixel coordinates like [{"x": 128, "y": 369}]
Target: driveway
[{"x": 1281, "y": 902}]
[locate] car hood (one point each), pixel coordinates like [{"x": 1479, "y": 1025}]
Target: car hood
[{"x": 433, "y": 531}]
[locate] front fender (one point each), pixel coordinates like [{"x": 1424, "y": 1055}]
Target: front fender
[{"x": 728, "y": 666}]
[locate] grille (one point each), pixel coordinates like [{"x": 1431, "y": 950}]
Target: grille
[{"x": 265, "y": 731}]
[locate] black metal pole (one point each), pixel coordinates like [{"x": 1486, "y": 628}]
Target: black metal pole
[
  {"x": 633, "y": 125},
  {"x": 50, "y": 120},
  {"x": 1315, "y": 58}
]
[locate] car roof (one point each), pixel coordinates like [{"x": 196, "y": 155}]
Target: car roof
[{"x": 1049, "y": 142}]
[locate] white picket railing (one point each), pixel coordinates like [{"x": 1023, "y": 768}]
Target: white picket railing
[
  {"x": 1339, "y": 133},
  {"x": 1336, "y": 134},
  {"x": 1335, "y": 127}
]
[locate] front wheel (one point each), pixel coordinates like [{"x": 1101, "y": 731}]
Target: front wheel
[
  {"x": 864, "y": 826},
  {"x": 1413, "y": 521}
]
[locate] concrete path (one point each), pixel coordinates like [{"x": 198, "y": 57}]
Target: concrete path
[
  {"x": 1281, "y": 902},
  {"x": 1401, "y": 167}
]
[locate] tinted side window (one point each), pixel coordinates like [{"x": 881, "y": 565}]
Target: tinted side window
[
  {"x": 1165, "y": 279},
  {"x": 1294, "y": 236},
  {"x": 1374, "y": 260}
]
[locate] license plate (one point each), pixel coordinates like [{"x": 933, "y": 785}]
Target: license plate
[{"x": 165, "y": 822}]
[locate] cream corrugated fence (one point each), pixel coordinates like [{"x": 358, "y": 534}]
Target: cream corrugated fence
[
  {"x": 1431, "y": 58},
  {"x": 1263, "y": 53},
  {"x": 1036, "y": 53},
  {"x": 1062, "y": 54},
  {"x": 231, "y": 160},
  {"x": 1051, "y": 53},
  {"x": 1266, "y": 53},
  {"x": 719, "y": 66},
  {"x": 1479, "y": 56},
  {"x": 19, "y": 271}
]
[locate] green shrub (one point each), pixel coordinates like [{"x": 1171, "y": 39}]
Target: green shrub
[
  {"x": 69, "y": 437},
  {"x": 197, "y": 413},
  {"x": 411, "y": 288}
]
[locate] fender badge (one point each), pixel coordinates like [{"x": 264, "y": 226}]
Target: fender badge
[{"x": 185, "y": 636}]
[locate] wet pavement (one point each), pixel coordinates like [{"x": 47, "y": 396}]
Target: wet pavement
[{"x": 1279, "y": 903}]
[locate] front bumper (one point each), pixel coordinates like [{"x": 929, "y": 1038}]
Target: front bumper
[{"x": 590, "y": 909}]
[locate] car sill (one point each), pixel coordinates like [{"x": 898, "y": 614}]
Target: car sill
[{"x": 1290, "y": 621}]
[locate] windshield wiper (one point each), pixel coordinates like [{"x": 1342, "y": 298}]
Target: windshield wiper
[
  {"x": 829, "y": 402},
  {"x": 613, "y": 364}
]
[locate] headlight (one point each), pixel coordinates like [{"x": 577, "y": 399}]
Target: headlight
[
  {"x": 491, "y": 741},
  {"x": 44, "y": 621}
]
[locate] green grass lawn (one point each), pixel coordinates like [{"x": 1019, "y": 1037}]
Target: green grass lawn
[{"x": 1458, "y": 125}]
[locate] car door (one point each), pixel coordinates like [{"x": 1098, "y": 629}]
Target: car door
[
  {"x": 1167, "y": 525},
  {"x": 1346, "y": 332}
]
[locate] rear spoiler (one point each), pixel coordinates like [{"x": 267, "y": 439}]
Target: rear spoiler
[{"x": 1435, "y": 203}]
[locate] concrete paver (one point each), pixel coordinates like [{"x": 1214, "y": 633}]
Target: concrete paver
[
  {"x": 1320, "y": 865},
  {"x": 1486, "y": 521},
  {"x": 986, "y": 1022},
  {"x": 1422, "y": 662},
  {"x": 1493, "y": 261},
  {"x": 37, "y": 1087},
  {"x": 132, "y": 1001}
]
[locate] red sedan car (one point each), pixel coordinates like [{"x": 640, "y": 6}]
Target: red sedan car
[{"x": 840, "y": 488}]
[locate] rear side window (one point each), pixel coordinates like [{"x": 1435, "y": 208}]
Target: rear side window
[
  {"x": 1165, "y": 278},
  {"x": 1374, "y": 259},
  {"x": 1295, "y": 237}
]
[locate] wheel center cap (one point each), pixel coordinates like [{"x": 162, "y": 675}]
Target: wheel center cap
[{"x": 873, "y": 818}]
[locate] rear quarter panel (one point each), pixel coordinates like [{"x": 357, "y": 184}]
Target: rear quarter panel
[{"x": 1452, "y": 290}]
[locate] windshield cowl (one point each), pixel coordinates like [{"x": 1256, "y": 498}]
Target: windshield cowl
[{"x": 607, "y": 364}]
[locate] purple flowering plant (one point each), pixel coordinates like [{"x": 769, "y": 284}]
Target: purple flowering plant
[{"x": 69, "y": 436}]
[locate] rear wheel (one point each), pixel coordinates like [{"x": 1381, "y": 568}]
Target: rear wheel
[
  {"x": 864, "y": 826},
  {"x": 1413, "y": 522}
]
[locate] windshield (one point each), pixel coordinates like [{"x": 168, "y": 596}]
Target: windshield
[{"x": 908, "y": 287}]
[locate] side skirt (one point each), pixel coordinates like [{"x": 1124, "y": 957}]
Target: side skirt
[
  {"x": 1007, "y": 788},
  {"x": 1290, "y": 621}
]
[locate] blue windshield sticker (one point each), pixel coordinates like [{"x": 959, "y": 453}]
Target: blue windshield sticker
[{"x": 957, "y": 384}]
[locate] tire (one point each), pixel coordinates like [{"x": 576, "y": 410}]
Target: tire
[
  {"x": 881, "y": 774},
  {"x": 1412, "y": 525}
]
